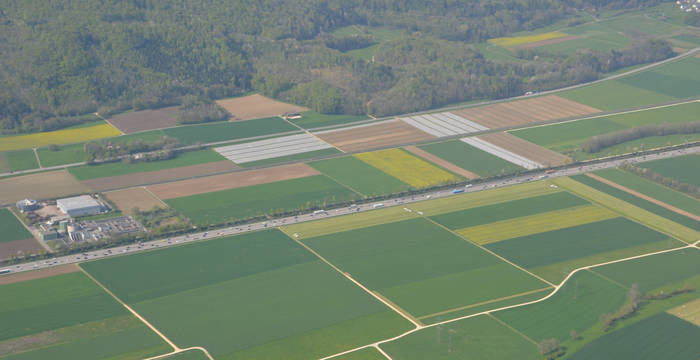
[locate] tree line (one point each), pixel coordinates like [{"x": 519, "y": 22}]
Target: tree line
[{"x": 600, "y": 142}]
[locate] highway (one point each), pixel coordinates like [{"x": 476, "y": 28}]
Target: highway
[{"x": 212, "y": 234}]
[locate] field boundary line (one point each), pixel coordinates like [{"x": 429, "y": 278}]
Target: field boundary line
[
  {"x": 608, "y": 279},
  {"x": 347, "y": 276},
  {"x": 512, "y": 328},
  {"x": 415, "y": 319},
  {"x": 644, "y": 197},
  {"x": 308, "y": 132},
  {"x": 489, "y": 251},
  {"x": 163, "y": 356},
  {"x": 38, "y": 161},
  {"x": 112, "y": 125},
  {"x": 155, "y": 197},
  {"x": 381, "y": 351},
  {"x": 485, "y": 302},
  {"x": 341, "y": 183},
  {"x": 133, "y": 312}
]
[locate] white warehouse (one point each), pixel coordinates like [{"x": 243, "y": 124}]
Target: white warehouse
[{"x": 79, "y": 205}]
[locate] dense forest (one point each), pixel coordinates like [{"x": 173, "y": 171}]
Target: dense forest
[{"x": 64, "y": 58}]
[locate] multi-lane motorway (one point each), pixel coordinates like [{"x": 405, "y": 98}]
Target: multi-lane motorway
[{"x": 211, "y": 234}]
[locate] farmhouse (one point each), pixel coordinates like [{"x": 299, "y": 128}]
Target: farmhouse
[{"x": 79, "y": 205}]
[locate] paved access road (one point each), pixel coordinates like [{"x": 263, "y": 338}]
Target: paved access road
[{"x": 211, "y": 234}]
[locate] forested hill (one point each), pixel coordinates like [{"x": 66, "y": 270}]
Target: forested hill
[{"x": 62, "y": 58}]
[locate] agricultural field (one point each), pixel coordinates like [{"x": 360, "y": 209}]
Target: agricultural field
[
  {"x": 10, "y": 228},
  {"x": 553, "y": 254},
  {"x": 43, "y": 185},
  {"x": 525, "y": 149},
  {"x": 440, "y": 162},
  {"x": 89, "y": 325},
  {"x": 256, "y": 106},
  {"x": 523, "y": 40},
  {"x": 470, "y": 158},
  {"x": 136, "y": 121},
  {"x": 410, "y": 262},
  {"x": 502, "y": 153},
  {"x": 443, "y": 124},
  {"x": 481, "y": 337},
  {"x": 21, "y": 160},
  {"x": 304, "y": 309},
  {"x": 134, "y": 198},
  {"x": 225, "y": 131},
  {"x": 275, "y": 148},
  {"x": 685, "y": 169},
  {"x": 360, "y": 176},
  {"x": 651, "y": 189},
  {"x": 195, "y": 354},
  {"x": 99, "y": 130},
  {"x": 310, "y": 155},
  {"x": 371, "y": 136},
  {"x": 568, "y": 138},
  {"x": 689, "y": 312},
  {"x": 380, "y": 34},
  {"x": 407, "y": 168},
  {"x": 62, "y": 155},
  {"x": 364, "y": 354},
  {"x": 257, "y": 200},
  {"x": 312, "y": 119}
]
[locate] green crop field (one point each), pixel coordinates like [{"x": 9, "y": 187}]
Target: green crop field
[
  {"x": 64, "y": 154},
  {"x": 364, "y": 354},
  {"x": 86, "y": 172},
  {"x": 557, "y": 246},
  {"x": 508, "y": 210},
  {"x": 69, "y": 317},
  {"x": 577, "y": 306},
  {"x": 478, "y": 338},
  {"x": 276, "y": 197},
  {"x": 662, "y": 336},
  {"x": 301, "y": 156},
  {"x": 360, "y": 176},
  {"x": 567, "y": 137},
  {"x": 678, "y": 79},
  {"x": 614, "y": 95},
  {"x": 412, "y": 261},
  {"x": 21, "y": 160},
  {"x": 471, "y": 158},
  {"x": 10, "y": 228},
  {"x": 651, "y": 189},
  {"x": 303, "y": 308},
  {"x": 312, "y": 119},
  {"x": 223, "y": 131},
  {"x": 637, "y": 201},
  {"x": 685, "y": 169}
]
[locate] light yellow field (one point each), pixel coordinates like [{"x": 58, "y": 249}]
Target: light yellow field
[
  {"x": 689, "y": 312},
  {"x": 58, "y": 137},
  {"x": 520, "y": 40},
  {"x": 482, "y": 198},
  {"x": 534, "y": 224},
  {"x": 407, "y": 168},
  {"x": 347, "y": 222},
  {"x": 652, "y": 220}
]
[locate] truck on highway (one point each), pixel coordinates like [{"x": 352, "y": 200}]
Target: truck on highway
[
  {"x": 5, "y": 271},
  {"x": 376, "y": 206},
  {"x": 457, "y": 191},
  {"x": 317, "y": 212}
]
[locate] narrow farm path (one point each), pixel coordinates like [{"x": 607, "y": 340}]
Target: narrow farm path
[
  {"x": 163, "y": 356},
  {"x": 645, "y": 197},
  {"x": 489, "y": 312},
  {"x": 38, "y": 161}
]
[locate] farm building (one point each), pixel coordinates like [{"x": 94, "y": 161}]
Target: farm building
[
  {"x": 27, "y": 205},
  {"x": 79, "y": 205}
]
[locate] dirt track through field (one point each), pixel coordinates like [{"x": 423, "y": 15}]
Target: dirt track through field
[
  {"x": 645, "y": 197},
  {"x": 38, "y": 274},
  {"x": 135, "y": 121},
  {"x": 46, "y": 185},
  {"x": 442, "y": 162},
  {"x": 136, "y": 197},
  {"x": 374, "y": 136},
  {"x": 150, "y": 177},
  {"x": 516, "y": 113},
  {"x": 16, "y": 247},
  {"x": 256, "y": 106},
  {"x": 231, "y": 181},
  {"x": 526, "y": 149}
]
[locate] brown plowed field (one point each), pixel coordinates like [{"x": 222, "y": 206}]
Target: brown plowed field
[
  {"x": 256, "y": 106},
  {"x": 47, "y": 185},
  {"x": 231, "y": 181},
  {"x": 547, "y": 42},
  {"x": 527, "y": 111},
  {"x": 19, "y": 247},
  {"x": 136, "y": 121},
  {"x": 442, "y": 162},
  {"x": 526, "y": 149},
  {"x": 151, "y": 177},
  {"x": 370, "y": 137},
  {"x": 38, "y": 274},
  {"x": 136, "y": 197}
]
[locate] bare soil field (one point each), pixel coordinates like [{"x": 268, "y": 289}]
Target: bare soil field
[
  {"x": 136, "y": 197},
  {"x": 151, "y": 177},
  {"x": 547, "y": 42},
  {"x": 526, "y": 149},
  {"x": 136, "y": 121},
  {"x": 40, "y": 186},
  {"x": 527, "y": 111},
  {"x": 441, "y": 162},
  {"x": 374, "y": 136},
  {"x": 19, "y": 247},
  {"x": 256, "y": 106},
  {"x": 231, "y": 181},
  {"x": 38, "y": 274}
]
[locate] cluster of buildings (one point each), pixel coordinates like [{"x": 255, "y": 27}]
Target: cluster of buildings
[{"x": 689, "y": 5}]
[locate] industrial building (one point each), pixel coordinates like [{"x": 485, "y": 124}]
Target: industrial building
[
  {"x": 27, "y": 205},
  {"x": 80, "y": 205}
]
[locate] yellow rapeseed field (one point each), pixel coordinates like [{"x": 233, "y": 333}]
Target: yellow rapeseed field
[
  {"x": 520, "y": 40},
  {"x": 58, "y": 137},
  {"x": 407, "y": 168},
  {"x": 534, "y": 224}
]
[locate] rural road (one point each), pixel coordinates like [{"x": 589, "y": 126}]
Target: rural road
[{"x": 211, "y": 234}]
